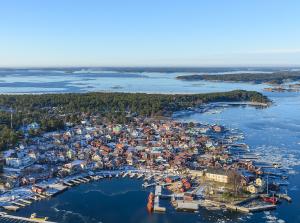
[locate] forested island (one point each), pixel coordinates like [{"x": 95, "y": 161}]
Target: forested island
[
  {"x": 53, "y": 111},
  {"x": 258, "y": 78}
]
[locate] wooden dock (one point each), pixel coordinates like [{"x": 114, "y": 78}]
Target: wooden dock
[
  {"x": 157, "y": 194},
  {"x": 285, "y": 197},
  {"x": 25, "y": 201},
  {"x": 11, "y": 207},
  {"x": 262, "y": 208},
  {"x": 4, "y": 216},
  {"x": 239, "y": 208},
  {"x": 18, "y": 204}
]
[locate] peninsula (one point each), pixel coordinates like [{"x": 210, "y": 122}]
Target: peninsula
[{"x": 53, "y": 111}]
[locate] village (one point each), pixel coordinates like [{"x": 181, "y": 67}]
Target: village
[{"x": 192, "y": 164}]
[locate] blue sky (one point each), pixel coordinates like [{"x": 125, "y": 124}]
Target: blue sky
[{"x": 149, "y": 32}]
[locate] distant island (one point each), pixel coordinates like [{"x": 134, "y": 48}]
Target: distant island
[
  {"x": 258, "y": 78},
  {"x": 52, "y": 111}
]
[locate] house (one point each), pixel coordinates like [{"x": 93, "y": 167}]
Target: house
[
  {"x": 217, "y": 175},
  {"x": 32, "y": 126},
  {"x": 196, "y": 173},
  {"x": 259, "y": 182},
  {"x": 76, "y": 165},
  {"x": 129, "y": 161},
  {"x": 217, "y": 128},
  {"x": 18, "y": 162},
  {"x": 37, "y": 189},
  {"x": 256, "y": 187},
  {"x": 253, "y": 189},
  {"x": 13, "y": 162}
]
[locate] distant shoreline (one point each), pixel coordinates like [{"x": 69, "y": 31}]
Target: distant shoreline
[{"x": 255, "y": 78}]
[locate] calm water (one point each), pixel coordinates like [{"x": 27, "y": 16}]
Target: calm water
[
  {"x": 273, "y": 133},
  {"x": 53, "y": 81}
]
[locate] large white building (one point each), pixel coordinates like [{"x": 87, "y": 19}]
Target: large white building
[
  {"x": 18, "y": 162},
  {"x": 217, "y": 175}
]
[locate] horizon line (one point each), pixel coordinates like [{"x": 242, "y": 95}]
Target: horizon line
[{"x": 156, "y": 66}]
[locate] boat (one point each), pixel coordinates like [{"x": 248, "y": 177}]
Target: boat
[
  {"x": 150, "y": 202},
  {"x": 34, "y": 217},
  {"x": 276, "y": 165},
  {"x": 272, "y": 200}
]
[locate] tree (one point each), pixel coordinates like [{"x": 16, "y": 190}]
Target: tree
[{"x": 235, "y": 179}]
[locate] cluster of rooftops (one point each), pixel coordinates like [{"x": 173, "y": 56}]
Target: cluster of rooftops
[{"x": 161, "y": 145}]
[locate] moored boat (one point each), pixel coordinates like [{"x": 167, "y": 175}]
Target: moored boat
[
  {"x": 150, "y": 202},
  {"x": 272, "y": 200},
  {"x": 41, "y": 219}
]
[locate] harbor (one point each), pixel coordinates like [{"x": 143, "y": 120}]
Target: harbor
[{"x": 199, "y": 175}]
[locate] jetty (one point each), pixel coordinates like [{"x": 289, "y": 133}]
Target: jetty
[
  {"x": 285, "y": 197},
  {"x": 11, "y": 207},
  {"x": 262, "y": 208},
  {"x": 25, "y": 201},
  {"x": 157, "y": 194},
  {"x": 18, "y": 204},
  {"x": 9, "y": 218},
  {"x": 238, "y": 208},
  {"x": 68, "y": 184}
]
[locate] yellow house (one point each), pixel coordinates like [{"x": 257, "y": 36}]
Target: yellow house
[
  {"x": 217, "y": 175},
  {"x": 252, "y": 189},
  {"x": 129, "y": 161},
  {"x": 259, "y": 182}
]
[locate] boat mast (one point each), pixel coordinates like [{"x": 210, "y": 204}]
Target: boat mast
[{"x": 267, "y": 184}]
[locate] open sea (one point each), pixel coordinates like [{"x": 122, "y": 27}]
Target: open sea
[{"x": 272, "y": 133}]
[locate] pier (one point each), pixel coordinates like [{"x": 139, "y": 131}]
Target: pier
[
  {"x": 285, "y": 197},
  {"x": 157, "y": 194},
  {"x": 238, "y": 208},
  {"x": 9, "y": 218}
]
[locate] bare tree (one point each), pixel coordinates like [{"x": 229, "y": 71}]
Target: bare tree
[{"x": 235, "y": 179}]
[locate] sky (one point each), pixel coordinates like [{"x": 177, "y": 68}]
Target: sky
[{"x": 43, "y": 33}]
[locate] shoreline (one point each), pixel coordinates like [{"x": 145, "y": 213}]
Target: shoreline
[
  {"x": 214, "y": 131},
  {"x": 78, "y": 179}
]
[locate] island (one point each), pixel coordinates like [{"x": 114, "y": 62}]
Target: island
[
  {"x": 53, "y": 111},
  {"x": 258, "y": 78},
  {"x": 52, "y": 142}
]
